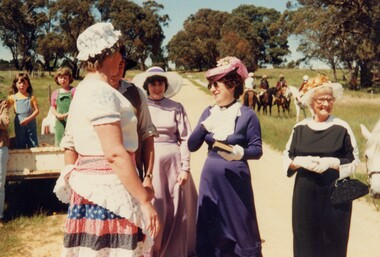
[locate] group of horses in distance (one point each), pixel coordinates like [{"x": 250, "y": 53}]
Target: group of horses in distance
[{"x": 265, "y": 100}]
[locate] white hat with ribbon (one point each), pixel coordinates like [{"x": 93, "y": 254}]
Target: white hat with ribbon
[{"x": 174, "y": 79}]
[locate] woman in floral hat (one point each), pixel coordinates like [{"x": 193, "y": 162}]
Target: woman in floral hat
[
  {"x": 110, "y": 213},
  {"x": 226, "y": 222},
  {"x": 320, "y": 150}
]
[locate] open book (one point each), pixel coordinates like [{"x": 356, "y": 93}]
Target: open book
[{"x": 219, "y": 146}]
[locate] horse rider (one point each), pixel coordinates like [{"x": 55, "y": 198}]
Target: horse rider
[
  {"x": 300, "y": 90},
  {"x": 249, "y": 81},
  {"x": 249, "y": 95},
  {"x": 281, "y": 83},
  {"x": 264, "y": 85},
  {"x": 281, "y": 87},
  {"x": 305, "y": 80}
]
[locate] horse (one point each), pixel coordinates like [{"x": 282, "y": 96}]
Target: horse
[
  {"x": 266, "y": 100},
  {"x": 372, "y": 154},
  {"x": 249, "y": 98},
  {"x": 298, "y": 103},
  {"x": 282, "y": 100}
]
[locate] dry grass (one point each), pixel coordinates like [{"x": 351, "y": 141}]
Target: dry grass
[{"x": 18, "y": 237}]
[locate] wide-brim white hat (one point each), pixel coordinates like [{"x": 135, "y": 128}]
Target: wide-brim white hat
[
  {"x": 174, "y": 80},
  {"x": 336, "y": 88}
]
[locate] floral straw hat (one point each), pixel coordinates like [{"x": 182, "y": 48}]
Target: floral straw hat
[
  {"x": 317, "y": 83},
  {"x": 174, "y": 80},
  {"x": 225, "y": 66},
  {"x": 95, "y": 39}
]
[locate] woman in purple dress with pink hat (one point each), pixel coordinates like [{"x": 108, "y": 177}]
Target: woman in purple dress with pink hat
[
  {"x": 226, "y": 222},
  {"x": 175, "y": 195}
]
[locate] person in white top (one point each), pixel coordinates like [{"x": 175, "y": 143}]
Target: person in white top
[
  {"x": 110, "y": 212},
  {"x": 249, "y": 81}
]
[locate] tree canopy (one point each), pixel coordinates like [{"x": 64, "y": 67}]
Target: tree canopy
[
  {"x": 343, "y": 34},
  {"x": 20, "y": 27},
  {"x": 250, "y": 33},
  {"x": 45, "y": 32}
]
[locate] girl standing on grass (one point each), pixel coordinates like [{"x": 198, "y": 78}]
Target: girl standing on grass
[
  {"x": 26, "y": 110},
  {"x": 60, "y": 101}
]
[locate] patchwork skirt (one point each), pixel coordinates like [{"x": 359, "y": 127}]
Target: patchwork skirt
[{"x": 103, "y": 218}]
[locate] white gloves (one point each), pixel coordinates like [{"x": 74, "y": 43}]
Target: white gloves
[
  {"x": 326, "y": 163},
  {"x": 237, "y": 153},
  {"x": 306, "y": 162},
  {"x": 316, "y": 164}
]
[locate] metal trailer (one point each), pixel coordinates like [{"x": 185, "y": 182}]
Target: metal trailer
[{"x": 35, "y": 163}]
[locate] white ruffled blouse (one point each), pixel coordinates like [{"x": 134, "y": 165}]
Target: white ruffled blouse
[{"x": 96, "y": 103}]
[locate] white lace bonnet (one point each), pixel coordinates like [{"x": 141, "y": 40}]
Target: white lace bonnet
[{"x": 95, "y": 39}]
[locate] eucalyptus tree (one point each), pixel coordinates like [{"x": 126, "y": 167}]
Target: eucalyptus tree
[
  {"x": 185, "y": 53},
  {"x": 196, "y": 46},
  {"x": 238, "y": 40},
  {"x": 71, "y": 18},
  {"x": 265, "y": 31},
  {"x": 153, "y": 34},
  {"x": 347, "y": 33},
  {"x": 315, "y": 44},
  {"x": 20, "y": 27},
  {"x": 141, "y": 27},
  {"x": 51, "y": 46},
  {"x": 249, "y": 32}
]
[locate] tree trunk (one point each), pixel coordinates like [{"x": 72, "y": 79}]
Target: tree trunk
[
  {"x": 55, "y": 61},
  {"x": 365, "y": 74},
  {"x": 333, "y": 67}
]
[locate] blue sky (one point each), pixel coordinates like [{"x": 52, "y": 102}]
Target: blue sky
[{"x": 180, "y": 10}]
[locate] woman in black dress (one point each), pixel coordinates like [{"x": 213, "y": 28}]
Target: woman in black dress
[{"x": 321, "y": 149}]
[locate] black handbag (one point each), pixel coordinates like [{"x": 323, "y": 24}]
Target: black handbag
[{"x": 345, "y": 190}]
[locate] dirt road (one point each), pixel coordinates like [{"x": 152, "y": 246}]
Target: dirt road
[{"x": 273, "y": 192}]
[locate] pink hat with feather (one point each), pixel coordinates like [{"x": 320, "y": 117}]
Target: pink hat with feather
[{"x": 225, "y": 66}]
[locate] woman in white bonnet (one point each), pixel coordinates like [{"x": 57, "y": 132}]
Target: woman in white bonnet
[
  {"x": 110, "y": 212},
  {"x": 320, "y": 150}
]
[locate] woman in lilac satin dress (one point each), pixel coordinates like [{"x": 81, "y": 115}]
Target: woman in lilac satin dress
[
  {"x": 175, "y": 194},
  {"x": 226, "y": 223}
]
